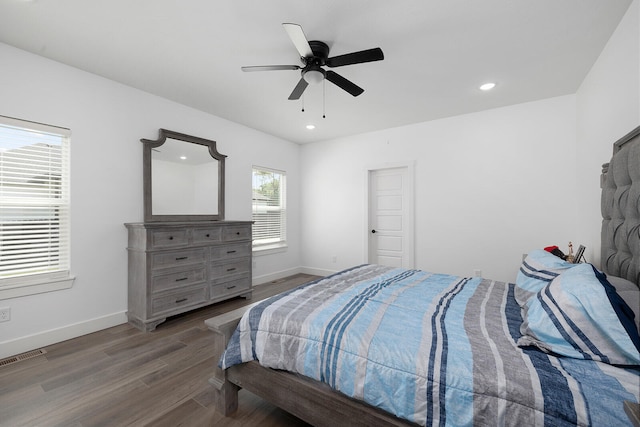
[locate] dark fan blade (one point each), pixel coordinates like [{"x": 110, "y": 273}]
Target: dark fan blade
[
  {"x": 299, "y": 89},
  {"x": 270, "y": 67},
  {"x": 368, "y": 55},
  {"x": 299, "y": 39},
  {"x": 343, "y": 83}
]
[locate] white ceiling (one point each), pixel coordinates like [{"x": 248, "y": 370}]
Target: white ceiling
[{"x": 437, "y": 53}]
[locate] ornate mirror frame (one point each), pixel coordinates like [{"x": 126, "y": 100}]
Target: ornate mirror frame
[{"x": 148, "y": 148}]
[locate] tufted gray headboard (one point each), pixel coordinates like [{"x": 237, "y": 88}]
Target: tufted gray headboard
[{"x": 621, "y": 209}]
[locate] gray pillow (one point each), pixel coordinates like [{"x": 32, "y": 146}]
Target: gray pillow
[{"x": 630, "y": 293}]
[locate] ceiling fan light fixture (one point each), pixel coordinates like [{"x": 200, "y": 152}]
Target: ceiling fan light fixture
[
  {"x": 487, "y": 86},
  {"x": 314, "y": 54},
  {"x": 314, "y": 76}
]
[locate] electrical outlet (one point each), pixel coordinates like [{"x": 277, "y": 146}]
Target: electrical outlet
[
  {"x": 5, "y": 314},
  {"x": 477, "y": 273},
  {"x": 334, "y": 259}
]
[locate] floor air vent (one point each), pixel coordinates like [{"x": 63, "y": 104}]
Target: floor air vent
[{"x": 20, "y": 357}]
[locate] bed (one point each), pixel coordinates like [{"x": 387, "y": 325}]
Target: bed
[{"x": 375, "y": 345}]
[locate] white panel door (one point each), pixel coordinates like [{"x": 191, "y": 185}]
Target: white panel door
[{"x": 390, "y": 241}]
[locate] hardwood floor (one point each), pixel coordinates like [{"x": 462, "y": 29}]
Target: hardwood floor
[{"x": 123, "y": 377}]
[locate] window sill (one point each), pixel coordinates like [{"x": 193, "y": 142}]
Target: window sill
[
  {"x": 269, "y": 249},
  {"x": 35, "y": 287}
]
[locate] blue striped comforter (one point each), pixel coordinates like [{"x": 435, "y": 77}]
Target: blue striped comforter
[{"x": 431, "y": 348}]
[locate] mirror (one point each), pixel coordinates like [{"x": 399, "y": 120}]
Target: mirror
[{"x": 183, "y": 178}]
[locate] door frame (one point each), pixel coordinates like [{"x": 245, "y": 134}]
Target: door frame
[{"x": 409, "y": 211}]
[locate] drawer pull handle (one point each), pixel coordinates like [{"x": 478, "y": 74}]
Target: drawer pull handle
[
  {"x": 238, "y": 233},
  {"x": 180, "y": 258},
  {"x": 170, "y": 237},
  {"x": 178, "y": 301},
  {"x": 231, "y": 269},
  {"x": 231, "y": 252},
  {"x": 231, "y": 287},
  {"x": 181, "y": 279},
  {"x": 207, "y": 235}
]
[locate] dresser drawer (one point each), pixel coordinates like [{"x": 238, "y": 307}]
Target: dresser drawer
[
  {"x": 237, "y": 250},
  {"x": 239, "y": 266},
  {"x": 169, "y": 238},
  {"x": 173, "y": 304},
  {"x": 206, "y": 235},
  {"x": 221, "y": 290},
  {"x": 230, "y": 234},
  {"x": 177, "y": 279},
  {"x": 176, "y": 258}
]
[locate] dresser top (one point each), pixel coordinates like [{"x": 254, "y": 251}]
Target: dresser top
[{"x": 183, "y": 224}]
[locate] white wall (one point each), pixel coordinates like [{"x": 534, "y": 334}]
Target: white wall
[
  {"x": 107, "y": 121},
  {"x": 608, "y": 107},
  {"x": 489, "y": 186}
]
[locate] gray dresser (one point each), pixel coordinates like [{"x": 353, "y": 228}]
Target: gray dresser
[{"x": 178, "y": 266}]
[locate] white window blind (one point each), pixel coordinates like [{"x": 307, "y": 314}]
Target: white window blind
[
  {"x": 269, "y": 208},
  {"x": 34, "y": 202}
]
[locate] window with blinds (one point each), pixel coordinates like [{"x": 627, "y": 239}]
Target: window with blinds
[
  {"x": 34, "y": 203},
  {"x": 269, "y": 208}
]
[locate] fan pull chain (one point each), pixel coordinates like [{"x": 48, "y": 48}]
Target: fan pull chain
[
  {"x": 302, "y": 103},
  {"x": 324, "y": 96}
]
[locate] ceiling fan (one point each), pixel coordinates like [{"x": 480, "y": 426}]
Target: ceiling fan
[{"x": 314, "y": 55}]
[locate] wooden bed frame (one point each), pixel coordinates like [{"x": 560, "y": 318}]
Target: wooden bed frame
[{"x": 307, "y": 399}]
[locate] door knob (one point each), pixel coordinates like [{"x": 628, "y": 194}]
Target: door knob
[{"x": 373, "y": 231}]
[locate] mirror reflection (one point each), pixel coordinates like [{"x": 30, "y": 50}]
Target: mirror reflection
[{"x": 184, "y": 179}]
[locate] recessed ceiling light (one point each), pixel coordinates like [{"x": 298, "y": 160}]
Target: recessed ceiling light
[
  {"x": 487, "y": 86},
  {"x": 311, "y": 127},
  {"x": 183, "y": 157}
]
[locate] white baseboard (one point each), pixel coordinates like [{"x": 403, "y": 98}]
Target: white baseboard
[
  {"x": 52, "y": 336},
  {"x": 317, "y": 271},
  {"x": 266, "y": 278}
]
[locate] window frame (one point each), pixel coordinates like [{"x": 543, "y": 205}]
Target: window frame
[
  {"x": 60, "y": 278},
  {"x": 279, "y": 245}
]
